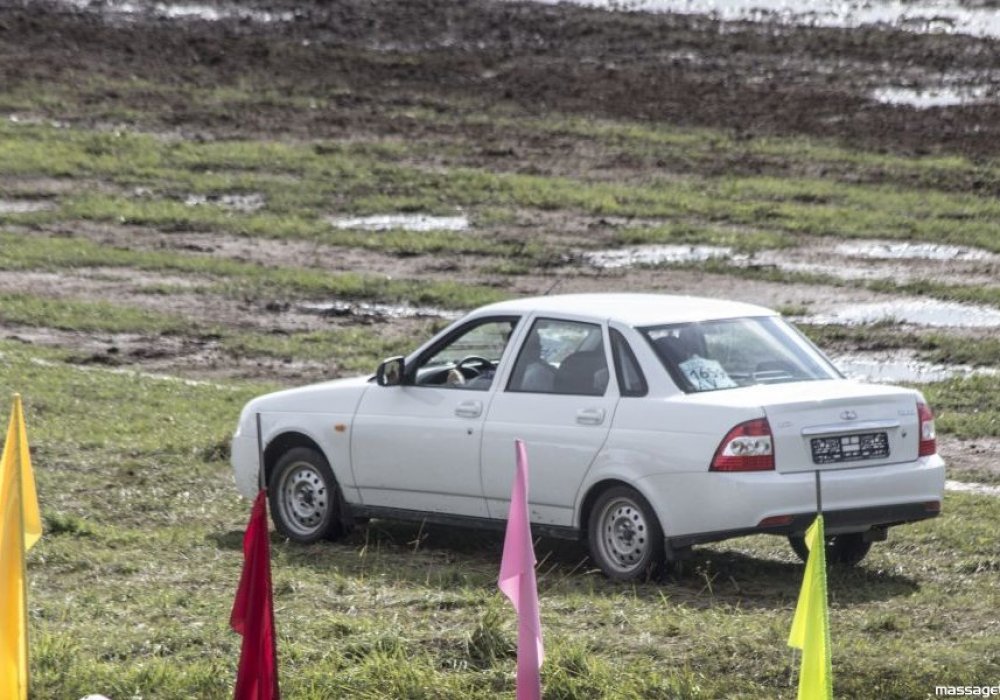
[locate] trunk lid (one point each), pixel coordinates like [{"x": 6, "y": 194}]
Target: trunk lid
[
  {"x": 842, "y": 425},
  {"x": 854, "y": 425}
]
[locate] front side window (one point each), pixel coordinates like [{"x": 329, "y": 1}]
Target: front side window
[
  {"x": 726, "y": 354},
  {"x": 469, "y": 358},
  {"x": 561, "y": 357}
]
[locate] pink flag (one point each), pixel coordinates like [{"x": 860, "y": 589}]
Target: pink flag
[{"x": 517, "y": 581}]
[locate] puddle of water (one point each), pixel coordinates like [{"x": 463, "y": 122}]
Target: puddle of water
[
  {"x": 929, "y": 312},
  {"x": 31, "y": 120},
  {"x": 982, "y": 489},
  {"x": 406, "y": 222},
  {"x": 903, "y": 366},
  {"x": 234, "y": 202},
  {"x": 214, "y": 14},
  {"x": 912, "y": 251},
  {"x": 887, "y": 260},
  {"x": 927, "y": 98},
  {"x": 23, "y": 206},
  {"x": 654, "y": 255},
  {"x": 376, "y": 311},
  {"x": 843, "y": 272},
  {"x": 924, "y": 16},
  {"x": 163, "y": 10}
]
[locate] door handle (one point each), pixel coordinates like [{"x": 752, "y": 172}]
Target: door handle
[
  {"x": 590, "y": 416},
  {"x": 469, "y": 409}
]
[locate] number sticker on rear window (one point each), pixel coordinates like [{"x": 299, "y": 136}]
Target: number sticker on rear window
[{"x": 706, "y": 375}]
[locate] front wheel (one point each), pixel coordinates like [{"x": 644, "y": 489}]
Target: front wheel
[
  {"x": 303, "y": 497},
  {"x": 625, "y": 537},
  {"x": 846, "y": 550}
]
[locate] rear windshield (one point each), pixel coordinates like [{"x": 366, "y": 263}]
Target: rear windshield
[{"x": 715, "y": 355}]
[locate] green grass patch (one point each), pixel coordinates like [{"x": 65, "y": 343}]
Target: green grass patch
[
  {"x": 325, "y": 178},
  {"x": 74, "y": 314},
  {"x": 233, "y": 277},
  {"x": 968, "y": 407},
  {"x": 741, "y": 241},
  {"x": 350, "y": 350},
  {"x": 930, "y": 346},
  {"x": 684, "y": 149},
  {"x": 137, "y": 497}
]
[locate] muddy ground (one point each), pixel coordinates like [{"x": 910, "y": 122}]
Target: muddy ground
[
  {"x": 372, "y": 61},
  {"x": 755, "y": 79}
]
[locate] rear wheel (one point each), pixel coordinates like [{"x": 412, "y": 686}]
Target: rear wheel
[
  {"x": 303, "y": 496},
  {"x": 845, "y": 550},
  {"x": 624, "y": 535}
]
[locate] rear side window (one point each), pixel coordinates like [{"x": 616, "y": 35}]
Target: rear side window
[
  {"x": 561, "y": 357},
  {"x": 631, "y": 381}
]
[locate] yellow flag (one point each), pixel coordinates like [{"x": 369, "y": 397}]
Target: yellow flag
[
  {"x": 811, "y": 624},
  {"x": 20, "y": 528}
]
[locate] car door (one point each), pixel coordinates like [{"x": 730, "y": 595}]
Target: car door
[
  {"x": 559, "y": 398},
  {"x": 416, "y": 446}
]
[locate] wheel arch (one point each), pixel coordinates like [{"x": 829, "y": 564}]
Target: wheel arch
[
  {"x": 284, "y": 442},
  {"x": 593, "y": 493}
]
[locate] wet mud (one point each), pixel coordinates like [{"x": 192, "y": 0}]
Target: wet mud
[{"x": 755, "y": 78}]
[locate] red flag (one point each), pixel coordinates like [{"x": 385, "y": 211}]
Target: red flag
[
  {"x": 517, "y": 581},
  {"x": 253, "y": 613}
]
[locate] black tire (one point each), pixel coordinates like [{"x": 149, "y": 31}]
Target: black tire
[
  {"x": 303, "y": 497},
  {"x": 842, "y": 550},
  {"x": 624, "y": 535}
]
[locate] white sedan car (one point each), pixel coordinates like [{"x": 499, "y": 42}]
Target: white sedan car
[{"x": 652, "y": 423}]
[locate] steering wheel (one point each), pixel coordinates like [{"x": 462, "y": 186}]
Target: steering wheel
[{"x": 469, "y": 359}]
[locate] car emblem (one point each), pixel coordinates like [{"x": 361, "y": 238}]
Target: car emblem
[{"x": 848, "y": 415}]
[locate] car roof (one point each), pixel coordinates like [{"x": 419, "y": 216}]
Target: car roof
[{"x": 631, "y": 309}]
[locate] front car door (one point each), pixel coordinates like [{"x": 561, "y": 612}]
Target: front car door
[
  {"x": 416, "y": 446},
  {"x": 560, "y": 398}
]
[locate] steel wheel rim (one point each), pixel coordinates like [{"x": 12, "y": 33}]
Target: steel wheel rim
[
  {"x": 624, "y": 535},
  {"x": 302, "y": 498}
]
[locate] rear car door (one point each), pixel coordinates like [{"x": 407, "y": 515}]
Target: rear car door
[{"x": 560, "y": 398}]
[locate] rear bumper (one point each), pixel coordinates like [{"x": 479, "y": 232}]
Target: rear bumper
[
  {"x": 712, "y": 506},
  {"x": 852, "y": 520}
]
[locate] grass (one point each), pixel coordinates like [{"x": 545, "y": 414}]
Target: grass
[
  {"x": 967, "y": 407},
  {"x": 302, "y": 183},
  {"x": 87, "y": 316},
  {"x": 397, "y": 610},
  {"x": 132, "y": 583},
  {"x": 350, "y": 350},
  {"x": 97, "y": 97},
  {"x": 234, "y": 277},
  {"x": 931, "y": 346},
  {"x": 353, "y": 350}
]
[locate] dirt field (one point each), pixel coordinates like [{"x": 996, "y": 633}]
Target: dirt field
[
  {"x": 755, "y": 79},
  {"x": 548, "y": 93}
]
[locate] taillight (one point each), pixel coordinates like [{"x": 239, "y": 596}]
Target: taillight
[
  {"x": 746, "y": 448},
  {"x": 928, "y": 438}
]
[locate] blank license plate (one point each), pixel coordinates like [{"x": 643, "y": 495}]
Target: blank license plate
[{"x": 850, "y": 448}]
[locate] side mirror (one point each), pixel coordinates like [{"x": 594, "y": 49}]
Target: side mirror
[{"x": 390, "y": 372}]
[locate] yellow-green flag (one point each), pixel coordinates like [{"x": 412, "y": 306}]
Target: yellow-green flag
[
  {"x": 20, "y": 528},
  {"x": 811, "y": 625}
]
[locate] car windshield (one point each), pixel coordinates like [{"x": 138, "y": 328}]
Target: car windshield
[{"x": 731, "y": 353}]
